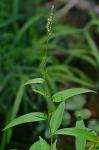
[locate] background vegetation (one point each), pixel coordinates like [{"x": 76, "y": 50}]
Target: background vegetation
[{"x": 73, "y": 60}]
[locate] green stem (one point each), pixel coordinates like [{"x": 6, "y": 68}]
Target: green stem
[
  {"x": 43, "y": 70},
  {"x": 91, "y": 147}
]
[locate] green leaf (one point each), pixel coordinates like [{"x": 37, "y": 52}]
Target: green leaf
[
  {"x": 84, "y": 113},
  {"x": 75, "y": 103},
  {"x": 33, "y": 81},
  {"x": 94, "y": 125},
  {"x": 53, "y": 147},
  {"x": 38, "y": 88},
  {"x": 66, "y": 94},
  {"x": 78, "y": 133},
  {"x": 80, "y": 141},
  {"x": 40, "y": 145},
  {"x": 35, "y": 146},
  {"x": 31, "y": 117},
  {"x": 44, "y": 145},
  {"x": 57, "y": 117}
]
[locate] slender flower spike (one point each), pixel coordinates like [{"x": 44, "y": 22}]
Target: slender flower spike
[{"x": 50, "y": 22}]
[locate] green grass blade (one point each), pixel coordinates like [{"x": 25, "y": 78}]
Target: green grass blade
[
  {"x": 15, "y": 7},
  {"x": 25, "y": 27},
  {"x": 18, "y": 100},
  {"x": 92, "y": 46}
]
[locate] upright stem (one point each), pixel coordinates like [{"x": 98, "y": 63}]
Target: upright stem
[
  {"x": 43, "y": 67},
  {"x": 44, "y": 72}
]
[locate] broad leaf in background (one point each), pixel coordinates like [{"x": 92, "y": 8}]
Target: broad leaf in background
[
  {"x": 80, "y": 141},
  {"x": 40, "y": 145},
  {"x": 66, "y": 94},
  {"x": 31, "y": 117},
  {"x": 84, "y": 113},
  {"x": 78, "y": 133},
  {"x": 57, "y": 117},
  {"x": 75, "y": 103},
  {"x": 33, "y": 81},
  {"x": 94, "y": 125}
]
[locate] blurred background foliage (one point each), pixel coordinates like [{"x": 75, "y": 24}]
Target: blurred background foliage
[{"x": 73, "y": 60}]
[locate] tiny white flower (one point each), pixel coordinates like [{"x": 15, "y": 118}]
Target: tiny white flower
[{"x": 50, "y": 21}]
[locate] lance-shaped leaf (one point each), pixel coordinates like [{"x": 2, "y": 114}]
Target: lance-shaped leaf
[
  {"x": 40, "y": 145},
  {"x": 30, "y": 117},
  {"x": 80, "y": 141},
  {"x": 84, "y": 133},
  {"x": 57, "y": 117},
  {"x": 34, "y": 81},
  {"x": 66, "y": 94}
]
